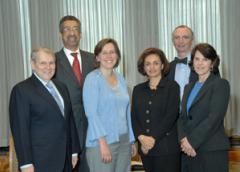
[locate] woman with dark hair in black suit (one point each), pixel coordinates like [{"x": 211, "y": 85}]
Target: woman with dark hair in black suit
[
  {"x": 204, "y": 105},
  {"x": 155, "y": 107}
]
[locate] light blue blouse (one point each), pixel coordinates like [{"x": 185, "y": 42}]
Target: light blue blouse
[
  {"x": 193, "y": 94},
  {"x": 107, "y": 109}
]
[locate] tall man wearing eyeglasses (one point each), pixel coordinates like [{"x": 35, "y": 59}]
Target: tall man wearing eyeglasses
[
  {"x": 182, "y": 38},
  {"x": 73, "y": 65}
]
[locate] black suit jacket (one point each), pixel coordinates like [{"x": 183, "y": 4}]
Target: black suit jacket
[
  {"x": 155, "y": 113},
  {"x": 171, "y": 75},
  {"x": 203, "y": 126},
  {"x": 64, "y": 73},
  {"x": 42, "y": 135}
]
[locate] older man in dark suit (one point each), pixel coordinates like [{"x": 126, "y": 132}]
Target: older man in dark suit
[
  {"x": 41, "y": 119},
  {"x": 73, "y": 65}
]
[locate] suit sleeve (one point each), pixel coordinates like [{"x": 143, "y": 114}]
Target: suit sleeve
[
  {"x": 217, "y": 110},
  {"x": 135, "y": 124},
  {"x": 182, "y": 117},
  {"x": 19, "y": 109},
  {"x": 73, "y": 129},
  {"x": 74, "y": 136},
  {"x": 171, "y": 112},
  {"x": 180, "y": 124}
]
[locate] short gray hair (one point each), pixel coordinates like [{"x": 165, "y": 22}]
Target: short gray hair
[
  {"x": 35, "y": 52},
  {"x": 184, "y": 27}
]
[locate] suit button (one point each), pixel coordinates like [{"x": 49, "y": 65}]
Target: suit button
[
  {"x": 167, "y": 134},
  {"x": 150, "y": 102},
  {"x": 190, "y": 117},
  {"x": 147, "y": 111},
  {"x": 148, "y": 121},
  {"x": 147, "y": 130}
]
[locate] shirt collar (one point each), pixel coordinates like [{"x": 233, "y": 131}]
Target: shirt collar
[
  {"x": 188, "y": 56},
  {"x": 162, "y": 83},
  {"x": 68, "y": 52},
  {"x": 41, "y": 80}
]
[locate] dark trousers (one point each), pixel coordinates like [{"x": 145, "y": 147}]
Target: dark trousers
[
  {"x": 166, "y": 163},
  {"x": 82, "y": 165},
  {"x": 211, "y": 161}
]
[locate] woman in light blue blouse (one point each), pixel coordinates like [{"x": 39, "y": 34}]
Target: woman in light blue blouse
[{"x": 110, "y": 139}]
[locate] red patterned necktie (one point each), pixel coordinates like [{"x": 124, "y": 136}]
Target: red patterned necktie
[{"x": 76, "y": 68}]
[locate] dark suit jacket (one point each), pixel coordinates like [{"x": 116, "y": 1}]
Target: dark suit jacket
[
  {"x": 42, "y": 136},
  {"x": 171, "y": 75},
  {"x": 203, "y": 126},
  {"x": 155, "y": 113},
  {"x": 64, "y": 73}
]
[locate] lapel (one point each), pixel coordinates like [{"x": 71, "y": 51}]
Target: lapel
[
  {"x": 187, "y": 91},
  {"x": 172, "y": 70},
  {"x": 65, "y": 65},
  {"x": 205, "y": 87},
  {"x": 193, "y": 76},
  {"x": 44, "y": 93},
  {"x": 84, "y": 64}
]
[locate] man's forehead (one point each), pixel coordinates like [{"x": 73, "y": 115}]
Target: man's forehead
[
  {"x": 44, "y": 56},
  {"x": 182, "y": 31},
  {"x": 70, "y": 23}
]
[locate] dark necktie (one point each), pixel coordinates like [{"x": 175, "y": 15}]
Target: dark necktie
[
  {"x": 184, "y": 60},
  {"x": 76, "y": 68},
  {"x": 56, "y": 97}
]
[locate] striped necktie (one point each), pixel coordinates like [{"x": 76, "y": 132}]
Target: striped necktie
[{"x": 56, "y": 97}]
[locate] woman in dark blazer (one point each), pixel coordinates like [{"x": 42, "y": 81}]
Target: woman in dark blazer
[
  {"x": 204, "y": 105},
  {"x": 155, "y": 107}
]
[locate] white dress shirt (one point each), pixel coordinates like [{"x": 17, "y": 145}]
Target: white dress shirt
[{"x": 182, "y": 74}]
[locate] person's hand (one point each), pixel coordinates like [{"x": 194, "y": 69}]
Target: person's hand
[
  {"x": 146, "y": 141},
  {"x": 133, "y": 150},
  {"x": 105, "y": 152},
  {"x": 144, "y": 150},
  {"x": 74, "y": 161},
  {"x": 187, "y": 148},
  {"x": 28, "y": 169}
]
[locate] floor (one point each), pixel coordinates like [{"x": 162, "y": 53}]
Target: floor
[
  {"x": 234, "y": 157},
  {"x": 234, "y": 163},
  {"x": 4, "y": 160}
]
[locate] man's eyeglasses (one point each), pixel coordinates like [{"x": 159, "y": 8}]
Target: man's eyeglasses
[{"x": 69, "y": 29}]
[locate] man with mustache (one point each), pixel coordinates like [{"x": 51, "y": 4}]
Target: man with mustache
[{"x": 73, "y": 65}]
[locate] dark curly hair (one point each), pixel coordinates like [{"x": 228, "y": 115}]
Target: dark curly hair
[{"x": 159, "y": 53}]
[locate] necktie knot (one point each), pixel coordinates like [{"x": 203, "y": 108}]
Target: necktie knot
[
  {"x": 74, "y": 55},
  {"x": 49, "y": 84},
  {"x": 50, "y": 87},
  {"x": 184, "y": 60},
  {"x": 76, "y": 68}
]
